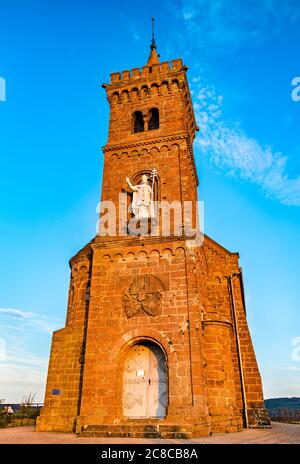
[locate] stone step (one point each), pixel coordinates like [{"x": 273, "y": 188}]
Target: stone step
[
  {"x": 120, "y": 434},
  {"x": 120, "y": 428},
  {"x": 167, "y": 435},
  {"x": 136, "y": 431}
]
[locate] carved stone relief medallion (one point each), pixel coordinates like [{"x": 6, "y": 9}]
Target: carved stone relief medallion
[{"x": 143, "y": 295}]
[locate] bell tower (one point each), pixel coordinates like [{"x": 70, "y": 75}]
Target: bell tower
[
  {"x": 156, "y": 342},
  {"x": 152, "y": 126}
]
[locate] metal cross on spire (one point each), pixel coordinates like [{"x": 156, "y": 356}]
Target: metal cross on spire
[
  {"x": 153, "y": 57},
  {"x": 153, "y": 44}
]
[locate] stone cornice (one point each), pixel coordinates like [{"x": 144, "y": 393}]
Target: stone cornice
[
  {"x": 168, "y": 138},
  {"x": 130, "y": 241},
  {"x": 82, "y": 255},
  {"x": 184, "y": 136},
  {"x": 213, "y": 245}
]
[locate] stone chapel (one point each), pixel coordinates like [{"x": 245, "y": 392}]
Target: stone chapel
[{"x": 156, "y": 341}]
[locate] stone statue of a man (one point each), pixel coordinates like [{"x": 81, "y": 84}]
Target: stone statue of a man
[{"x": 142, "y": 202}]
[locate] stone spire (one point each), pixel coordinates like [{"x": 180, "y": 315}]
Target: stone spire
[{"x": 153, "y": 57}]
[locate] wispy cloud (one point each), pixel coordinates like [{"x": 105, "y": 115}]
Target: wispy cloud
[
  {"x": 17, "y": 356},
  {"x": 15, "y": 313},
  {"x": 29, "y": 321},
  {"x": 136, "y": 36},
  {"x": 281, "y": 381},
  {"x": 222, "y": 27},
  {"x": 231, "y": 25},
  {"x": 22, "y": 368},
  {"x": 21, "y": 372},
  {"x": 232, "y": 151},
  {"x": 293, "y": 368}
]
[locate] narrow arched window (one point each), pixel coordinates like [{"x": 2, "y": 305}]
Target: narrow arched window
[
  {"x": 153, "y": 119},
  {"x": 138, "y": 122}
]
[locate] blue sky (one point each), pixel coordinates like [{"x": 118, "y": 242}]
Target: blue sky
[{"x": 242, "y": 57}]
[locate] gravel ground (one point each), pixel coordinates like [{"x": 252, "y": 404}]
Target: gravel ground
[{"x": 279, "y": 433}]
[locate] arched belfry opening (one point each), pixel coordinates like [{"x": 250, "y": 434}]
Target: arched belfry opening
[
  {"x": 145, "y": 393},
  {"x": 153, "y": 119},
  {"x": 138, "y": 122}
]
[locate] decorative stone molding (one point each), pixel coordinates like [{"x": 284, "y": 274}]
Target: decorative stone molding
[
  {"x": 130, "y": 241},
  {"x": 109, "y": 147}
]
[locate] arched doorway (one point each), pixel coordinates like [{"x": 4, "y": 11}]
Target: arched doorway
[{"x": 145, "y": 382}]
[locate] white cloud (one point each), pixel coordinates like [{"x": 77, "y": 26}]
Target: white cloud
[
  {"x": 15, "y": 313},
  {"x": 18, "y": 381},
  {"x": 276, "y": 387},
  {"x": 293, "y": 368},
  {"x": 21, "y": 369},
  {"x": 22, "y": 358},
  {"x": 223, "y": 27},
  {"x": 238, "y": 155},
  {"x": 187, "y": 15},
  {"x": 29, "y": 321},
  {"x": 219, "y": 25}
]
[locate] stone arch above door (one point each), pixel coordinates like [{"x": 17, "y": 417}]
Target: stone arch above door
[{"x": 132, "y": 336}]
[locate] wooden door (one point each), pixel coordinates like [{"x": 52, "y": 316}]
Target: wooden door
[{"x": 144, "y": 382}]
